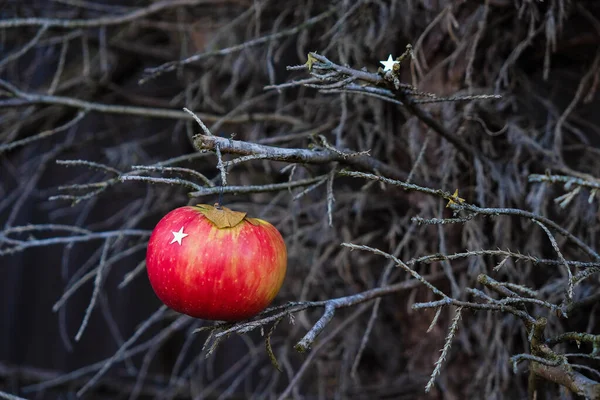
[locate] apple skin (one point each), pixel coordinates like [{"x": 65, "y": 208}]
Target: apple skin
[{"x": 226, "y": 274}]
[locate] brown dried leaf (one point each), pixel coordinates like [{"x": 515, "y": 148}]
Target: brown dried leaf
[{"x": 222, "y": 217}]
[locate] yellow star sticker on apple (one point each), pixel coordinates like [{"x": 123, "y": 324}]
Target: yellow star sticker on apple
[
  {"x": 388, "y": 65},
  {"x": 178, "y": 236},
  {"x": 454, "y": 199}
]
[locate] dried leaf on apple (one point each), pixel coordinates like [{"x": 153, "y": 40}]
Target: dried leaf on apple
[{"x": 222, "y": 217}]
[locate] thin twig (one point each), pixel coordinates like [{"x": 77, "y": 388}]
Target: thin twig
[
  {"x": 152, "y": 73},
  {"x": 102, "y": 21}
]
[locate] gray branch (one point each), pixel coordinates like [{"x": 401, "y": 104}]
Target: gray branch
[{"x": 362, "y": 162}]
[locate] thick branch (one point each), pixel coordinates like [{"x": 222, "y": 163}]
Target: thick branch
[
  {"x": 267, "y": 316},
  {"x": 304, "y": 344},
  {"x": 404, "y": 94},
  {"x": 363, "y": 162},
  {"x": 573, "y": 380}
]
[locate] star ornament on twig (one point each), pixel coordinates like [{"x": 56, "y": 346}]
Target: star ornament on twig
[
  {"x": 454, "y": 199},
  {"x": 178, "y": 236},
  {"x": 388, "y": 65}
]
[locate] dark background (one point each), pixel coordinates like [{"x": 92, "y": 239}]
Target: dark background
[{"x": 542, "y": 57}]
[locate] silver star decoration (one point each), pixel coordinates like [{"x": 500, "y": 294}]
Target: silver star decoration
[
  {"x": 178, "y": 236},
  {"x": 389, "y": 64}
]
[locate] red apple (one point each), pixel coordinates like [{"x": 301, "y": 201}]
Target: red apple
[{"x": 214, "y": 263}]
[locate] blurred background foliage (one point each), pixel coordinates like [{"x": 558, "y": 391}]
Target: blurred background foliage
[{"x": 79, "y": 82}]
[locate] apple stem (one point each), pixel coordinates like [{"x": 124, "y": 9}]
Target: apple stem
[{"x": 218, "y": 205}]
